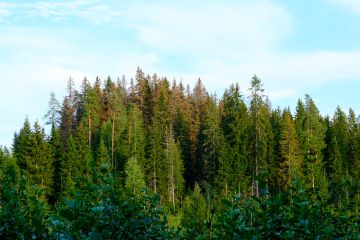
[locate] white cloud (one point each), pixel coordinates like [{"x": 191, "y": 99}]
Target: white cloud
[
  {"x": 349, "y": 5},
  {"x": 212, "y": 28},
  {"x": 4, "y": 11},
  {"x": 291, "y": 72},
  {"x": 91, "y": 10}
]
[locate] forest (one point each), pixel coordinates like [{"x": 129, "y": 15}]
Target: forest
[{"x": 154, "y": 159}]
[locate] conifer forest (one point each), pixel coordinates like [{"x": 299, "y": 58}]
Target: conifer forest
[{"x": 154, "y": 159}]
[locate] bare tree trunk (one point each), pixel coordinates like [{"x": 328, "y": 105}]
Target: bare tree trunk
[
  {"x": 89, "y": 138},
  {"x": 112, "y": 140}
]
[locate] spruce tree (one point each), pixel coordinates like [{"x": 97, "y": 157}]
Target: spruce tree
[
  {"x": 40, "y": 169},
  {"x": 56, "y": 149},
  {"x": 210, "y": 140},
  {"x": 341, "y": 133},
  {"x": 102, "y": 164},
  {"x": 260, "y": 133},
  {"x": 290, "y": 155},
  {"x": 314, "y": 135},
  {"x": 91, "y": 110},
  {"x": 53, "y": 113},
  {"x": 134, "y": 181},
  {"x": 181, "y": 121},
  {"x": 174, "y": 168},
  {"x": 276, "y": 126},
  {"x": 234, "y": 124},
  {"x": 135, "y": 135},
  {"x": 199, "y": 98},
  {"x": 33, "y": 156},
  {"x": 145, "y": 95},
  {"x": 22, "y": 145},
  {"x": 156, "y": 151},
  {"x": 354, "y": 158}
]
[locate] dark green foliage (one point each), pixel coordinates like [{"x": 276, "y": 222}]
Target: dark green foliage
[
  {"x": 290, "y": 158},
  {"x": 134, "y": 182},
  {"x": 290, "y": 215},
  {"x": 194, "y": 216},
  {"x": 117, "y": 163},
  {"x": 314, "y": 144},
  {"x": 34, "y": 157},
  {"x": 57, "y": 157},
  {"x": 103, "y": 212},
  {"x": 234, "y": 160},
  {"x": 22, "y": 207},
  {"x": 210, "y": 139},
  {"x": 261, "y": 136}
]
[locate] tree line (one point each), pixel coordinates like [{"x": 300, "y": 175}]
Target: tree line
[{"x": 152, "y": 138}]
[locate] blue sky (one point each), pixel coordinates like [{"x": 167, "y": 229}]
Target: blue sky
[{"x": 295, "y": 47}]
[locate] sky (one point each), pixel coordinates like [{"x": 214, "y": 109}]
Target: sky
[{"x": 294, "y": 47}]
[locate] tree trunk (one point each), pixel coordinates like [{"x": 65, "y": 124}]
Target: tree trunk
[
  {"x": 112, "y": 140},
  {"x": 89, "y": 138}
]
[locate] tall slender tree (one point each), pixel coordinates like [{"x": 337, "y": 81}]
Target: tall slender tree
[
  {"x": 174, "y": 168},
  {"x": 290, "y": 156},
  {"x": 314, "y": 135},
  {"x": 260, "y": 135},
  {"x": 234, "y": 124}
]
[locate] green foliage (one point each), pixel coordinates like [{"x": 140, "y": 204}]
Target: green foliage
[
  {"x": 290, "y": 156},
  {"x": 234, "y": 160},
  {"x": 314, "y": 144},
  {"x": 34, "y": 157},
  {"x": 134, "y": 182},
  {"x": 210, "y": 139},
  {"x": 175, "y": 169},
  {"x": 102, "y": 212},
  {"x": 291, "y": 215},
  {"x": 22, "y": 208},
  {"x": 261, "y": 136},
  {"x": 194, "y": 215},
  {"x": 117, "y": 165}
]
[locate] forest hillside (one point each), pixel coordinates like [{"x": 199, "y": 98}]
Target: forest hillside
[{"x": 154, "y": 159}]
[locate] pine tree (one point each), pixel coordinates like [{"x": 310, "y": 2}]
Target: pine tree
[
  {"x": 341, "y": 133},
  {"x": 181, "y": 121},
  {"x": 119, "y": 122},
  {"x": 91, "y": 110},
  {"x": 234, "y": 124},
  {"x": 198, "y": 100},
  {"x": 210, "y": 141},
  {"x": 156, "y": 160},
  {"x": 135, "y": 135},
  {"x": 40, "y": 169},
  {"x": 314, "y": 135},
  {"x": 134, "y": 181},
  {"x": 22, "y": 145},
  {"x": 9, "y": 171},
  {"x": 261, "y": 134},
  {"x": 56, "y": 149},
  {"x": 67, "y": 120},
  {"x": 145, "y": 95},
  {"x": 33, "y": 156},
  {"x": 102, "y": 165},
  {"x": 290, "y": 155},
  {"x": 299, "y": 124},
  {"x": 68, "y": 111},
  {"x": 276, "y": 126},
  {"x": 194, "y": 214},
  {"x": 354, "y": 157},
  {"x": 53, "y": 113},
  {"x": 174, "y": 168},
  {"x": 77, "y": 162}
]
